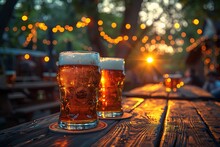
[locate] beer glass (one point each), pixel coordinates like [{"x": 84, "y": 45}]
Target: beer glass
[
  {"x": 110, "y": 87},
  {"x": 10, "y": 77},
  {"x": 78, "y": 78},
  {"x": 172, "y": 82}
]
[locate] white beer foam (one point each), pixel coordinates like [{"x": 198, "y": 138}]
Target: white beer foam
[
  {"x": 112, "y": 63},
  {"x": 79, "y": 58}
]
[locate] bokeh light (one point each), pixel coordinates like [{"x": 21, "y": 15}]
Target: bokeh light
[
  {"x": 46, "y": 59},
  {"x": 26, "y": 56}
]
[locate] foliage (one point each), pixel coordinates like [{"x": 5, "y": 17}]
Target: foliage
[{"x": 68, "y": 12}]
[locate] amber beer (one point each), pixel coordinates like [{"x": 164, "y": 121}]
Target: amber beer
[
  {"x": 110, "y": 87},
  {"x": 78, "y": 78},
  {"x": 10, "y": 76},
  {"x": 172, "y": 82}
]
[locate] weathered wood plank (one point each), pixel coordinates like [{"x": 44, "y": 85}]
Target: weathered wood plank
[
  {"x": 144, "y": 91},
  {"x": 129, "y": 104},
  {"x": 184, "y": 127},
  {"x": 59, "y": 139},
  {"x": 210, "y": 113},
  {"x": 36, "y": 133},
  {"x": 143, "y": 129}
]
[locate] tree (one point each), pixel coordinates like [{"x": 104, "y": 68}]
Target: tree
[
  {"x": 93, "y": 33},
  {"x": 159, "y": 13},
  {"x": 132, "y": 9},
  {"x": 5, "y": 16}
]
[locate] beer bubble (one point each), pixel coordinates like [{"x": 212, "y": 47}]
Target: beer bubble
[
  {"x": 89, "y": 116},
  {"x": 73, "y": 116}
]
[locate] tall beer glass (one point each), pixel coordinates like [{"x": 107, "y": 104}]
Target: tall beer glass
[
  {"x": 110, "y": 87},
  {"x": 78, "y": 78}
]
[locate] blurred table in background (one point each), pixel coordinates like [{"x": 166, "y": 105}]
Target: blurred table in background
[
  {"x": 158, "y": 91},
  {"x": 25, "y": 98}
]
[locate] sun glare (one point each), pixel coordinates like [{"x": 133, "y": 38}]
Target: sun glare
[{"x": 149, "y": 59}]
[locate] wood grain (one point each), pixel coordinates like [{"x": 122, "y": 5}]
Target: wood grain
[
  {"x": 128, "y": 104},
  {"x": 143, "y": 129},
  {"x": 210, "y": 113},
  {"x": 184, "y": 127},
  {"x": 36, "y": 133}
]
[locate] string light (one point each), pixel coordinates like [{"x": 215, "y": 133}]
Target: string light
[
  {"x": 128, "y": 26},
  {"x": 102, "y": 33},
  {"x": 84, "y": 21},
  {"x": 170, "y": 37},
  {"x": 46, "y": 59},
  {"x": 176, "y": 25},
  {"x": 88, "y": 20},
  {"x": 114, "y": 25},
  {"x": 172, "y": 42},
  {"x": 100, "y": 22},
  {"x": 24, "y": 17},
  {"x": 144, "y": 39},
  {"x": 30, "y": 26},
  {"x": 100, "y": 29},
  {"x": 54, "y": 30},
  {"x": 158, "y": 38},
  {"x": 196, "y": 21},
  {"x": 192, "y": 40},
  {"x": 153, "y": 41},
  {"x": 183, "y": 34},
  {"x": 15, "y": 29},
  {"x": 54, "y": 42},
  {"x": 23, "y": 28},
  {"x": 142, "y": 26},
  {"x": 134, "y": 38},
  {"x": 26, "y": 56},
  {"x": 125, "y": 37},
  {"x": 142, "y": 49},
  {"x": 162, "y": 42},
  {"x": 203, "y": 47},
  {"x": 199, "y": 31}
]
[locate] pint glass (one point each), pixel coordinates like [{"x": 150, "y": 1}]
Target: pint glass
[
  {"x": 10, "y": 76},
  {"x": 110, "y": 87},
  {"x": 172, "y": 82},
  {"x": 78, "y": 78}
]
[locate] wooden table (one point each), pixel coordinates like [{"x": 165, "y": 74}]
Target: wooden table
[
  {"x": 154, "y": 122},
  {"x": 158, "y": 91},
  {"x": 29, "y": 85},
  {"x": 36, "y": 85}
]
